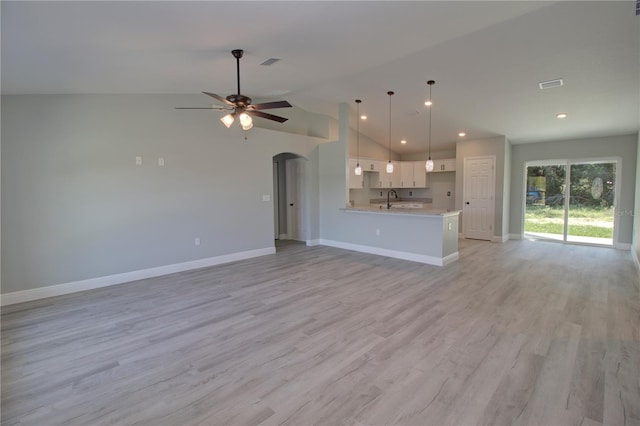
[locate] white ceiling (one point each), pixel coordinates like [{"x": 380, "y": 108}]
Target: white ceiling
[{"x": 486, "y": 57}]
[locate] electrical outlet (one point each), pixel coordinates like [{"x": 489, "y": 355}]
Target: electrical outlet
[
  {"x": 450, "y": 226},
  {"x": 381, "y": 193},
  {"x": 196, "y": 241},
  {"x": 410, "y": 193},
  {"x": 139, "y": 160},
  {"x": 266, "y": 197},
  {"x": 161, "y": 161}
]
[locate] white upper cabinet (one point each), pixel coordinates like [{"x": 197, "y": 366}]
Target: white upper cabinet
[
  {"x": 414, "y": 174},
  {"x": 406, "y": 174},
  {"x": 444, "y": 165},
  {"x": 420, "y": 174}
]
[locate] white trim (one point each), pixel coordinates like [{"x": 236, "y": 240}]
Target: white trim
[
  {"x": 92, "y": 283},
  {"x": 450, "y": 258},
  {"x": 414, "y": 257},
  {"x": 622, "y": 246},
  {"x": 515, "y": 236},
  {"x": 498, "y": 239},
  {"x": 311, "y": 243},
  {"x": 636, "y": 261}
]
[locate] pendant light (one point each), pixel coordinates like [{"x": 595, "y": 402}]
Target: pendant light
[
  {"x": 429, "y": 164},
  {"x": 390, "y": 164},
  {"x": 358, "y": 170}
]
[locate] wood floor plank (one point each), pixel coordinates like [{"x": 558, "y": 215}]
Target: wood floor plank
[{"x": 516, "y": 333}]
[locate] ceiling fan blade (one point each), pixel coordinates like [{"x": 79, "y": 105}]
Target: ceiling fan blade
[
  {"x": 267, "y": 116},
  {"x": 219, "y": 109},
  {"x": 271, "y": 105},
  {"x": 219, "y": 98}
]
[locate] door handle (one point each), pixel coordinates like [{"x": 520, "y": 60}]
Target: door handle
[
  {"x": 467, "y": 202},
  {"x": 291, "y": 205}
]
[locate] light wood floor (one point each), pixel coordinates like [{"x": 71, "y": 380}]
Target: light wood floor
[{"x": 516, "y": 333}]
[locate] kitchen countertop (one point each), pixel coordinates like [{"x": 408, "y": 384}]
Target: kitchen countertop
[{"x": 382, "y": 209}]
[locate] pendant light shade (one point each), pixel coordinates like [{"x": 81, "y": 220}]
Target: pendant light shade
[
  {"x": 390, "y": 164},
  {"x": 358, "y": 169},
  {"x": 429, "y": 164}
]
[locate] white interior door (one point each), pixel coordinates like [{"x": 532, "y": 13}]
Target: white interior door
[
  {"x": 293, "y": 169},
  {"x": 478, "y": 196}
]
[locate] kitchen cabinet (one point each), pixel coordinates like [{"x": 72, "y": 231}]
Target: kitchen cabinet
[
  {"x": 413, "y": 174},
  {"x": 355, "y": 182},
  {"x": 372, "y": 165},
  {"x": 444, "y": 165},
  {"x": 382, "y": 179}
]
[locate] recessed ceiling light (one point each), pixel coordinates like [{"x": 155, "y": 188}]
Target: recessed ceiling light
[
  {"x": 270, "y": 61},
  {"x": 462, "y": 134},
  {"x": 403, "y": 141},
  {"x": 363, "y": 117},
  {"x": 562, "y": 115},
  {"x": 428, "y": 103},
  {"x": 550, "y": 84}
]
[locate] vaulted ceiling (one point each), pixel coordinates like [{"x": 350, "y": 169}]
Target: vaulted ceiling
[{"x": 487, "y": 59}]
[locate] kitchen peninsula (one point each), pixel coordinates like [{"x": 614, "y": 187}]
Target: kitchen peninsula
[{"x": 418, "y": 234}]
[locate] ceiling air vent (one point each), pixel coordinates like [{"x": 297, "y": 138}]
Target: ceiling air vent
[
  {"x": 550, "y": 84},
  {"x": 270, "y": 61}
]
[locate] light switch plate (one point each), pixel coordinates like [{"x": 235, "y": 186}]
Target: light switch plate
[
  {"x": 266, "y": 197},
  {"x": 139, "y": 160},
  {"x": 161, "y": 161}
]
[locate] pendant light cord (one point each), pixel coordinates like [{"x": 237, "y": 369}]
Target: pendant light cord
[
  {"x": 430, "y": 83},
  {"x": 429, "y": 124},
  {"x": 390, "y": 94},
  {"x": 358, "y": 129}
]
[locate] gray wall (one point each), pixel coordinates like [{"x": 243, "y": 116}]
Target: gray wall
[
  {"x": 624, "y": 147},
  {"x": 75, "y": 206},
  {"x": 484, "y": 147}
]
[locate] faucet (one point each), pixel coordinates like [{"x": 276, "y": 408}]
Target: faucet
[{"x": 388, "y": 194}]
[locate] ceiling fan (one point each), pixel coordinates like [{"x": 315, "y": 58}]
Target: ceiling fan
[{"x": 240, "y": 106}]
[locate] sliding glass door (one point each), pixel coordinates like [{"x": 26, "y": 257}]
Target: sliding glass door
[
  {"x": 571, "y": 201},
  {"x": 591, "y": 212},
  {"x": 544, "y": 206}
]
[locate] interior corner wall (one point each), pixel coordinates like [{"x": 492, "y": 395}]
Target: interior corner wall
[
  {"x": 624, "y": 147},
  {"x": 636, "y": 211},
  {"x": 75, "y": 206},
  {"x": 506, "y": 191},
  {"x": 479, "y": 148}
]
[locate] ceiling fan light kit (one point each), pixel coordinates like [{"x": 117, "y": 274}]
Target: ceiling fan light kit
[{"x": 241, "y": 106}]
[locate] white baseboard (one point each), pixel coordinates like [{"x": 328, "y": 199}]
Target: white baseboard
[
  {"x": 498, "y": 239},
  {"x": 515, "y": 236},
  {"x": 92, "y": 283},
  {"x": 283, "y": 237},
  {"x": 414, "y": 257},
  {"x": 450, "y": 258},
  {"x": 311, "y": 243}
]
